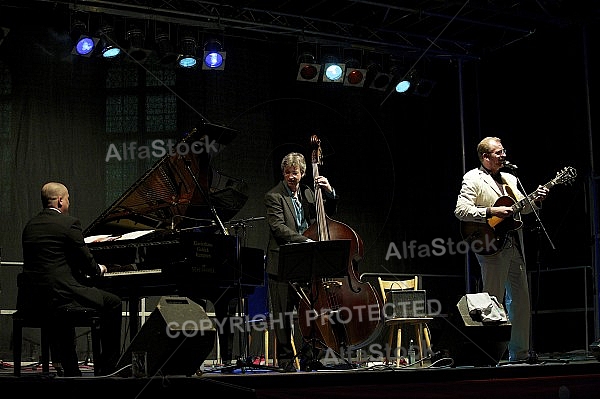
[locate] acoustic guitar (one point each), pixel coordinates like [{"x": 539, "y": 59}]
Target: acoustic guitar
[{"x": 489, "y": 237}]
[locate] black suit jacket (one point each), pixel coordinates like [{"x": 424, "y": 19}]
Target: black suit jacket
[
  {"x": 56, "y": 262},
  {"x": 282, "y": 221}
]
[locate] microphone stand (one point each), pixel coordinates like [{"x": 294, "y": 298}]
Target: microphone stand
[
  {"x": 536, "y": 213},
  {"x": 533, "y": 357},
  {"x": 244, "y": 362}
]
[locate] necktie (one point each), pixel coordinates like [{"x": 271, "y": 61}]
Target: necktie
[{"x": 299, "y": 219}]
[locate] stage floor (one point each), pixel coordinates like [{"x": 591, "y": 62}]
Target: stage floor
[{"x": 570, "y": 376}]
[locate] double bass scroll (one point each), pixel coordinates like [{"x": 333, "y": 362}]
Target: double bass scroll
[{"x": 343, "y": 312}]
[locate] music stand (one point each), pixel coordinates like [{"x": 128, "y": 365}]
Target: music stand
[{"x": 307, "y": 261}]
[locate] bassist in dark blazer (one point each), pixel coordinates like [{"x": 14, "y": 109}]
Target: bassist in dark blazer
[
  {"x": 290, "y": 208},
  {"x": 502, "y": 263}
]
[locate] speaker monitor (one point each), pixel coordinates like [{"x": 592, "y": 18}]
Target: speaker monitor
[
  {"x": 474, "y": 343},
  {"x": 177, "y": 337}
]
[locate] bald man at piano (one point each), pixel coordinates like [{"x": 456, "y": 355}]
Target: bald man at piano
[{"x": 55, "y": 259}]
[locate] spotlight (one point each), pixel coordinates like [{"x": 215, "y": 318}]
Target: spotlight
[
  {"x": 403, "y": 86},
  {"x": 355, "y": 77},
  {"x": 213, "y": 60},
  {"x": 334, "y": 72},
  {"x": 108, "y": 46},
  {"x": 308, "y": 72},
  {"x": 214, "y": 56},
  {"x": 136, "y": 50},
  {"x": 164, "y": 48},
  {"x": 407, "y": 82},
  {"x": 187, "y": 57},
  {"x": 423, "y": 87},
  {"x": 308, "y": 69},
  {"x": 3, "y": 33},
  {"x": 381, "y": 81},
  {"x": 85, "y": 44}
]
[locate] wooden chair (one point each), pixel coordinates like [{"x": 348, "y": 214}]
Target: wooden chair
[{"x": 397, "y": 319}]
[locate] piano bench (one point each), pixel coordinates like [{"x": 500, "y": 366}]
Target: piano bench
[{"x": 75, "y": 317}]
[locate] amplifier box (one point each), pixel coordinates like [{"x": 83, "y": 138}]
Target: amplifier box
[{"x": 405, "y": 304}]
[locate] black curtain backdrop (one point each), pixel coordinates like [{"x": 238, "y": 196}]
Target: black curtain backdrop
[{"x": 397, "y": 164}]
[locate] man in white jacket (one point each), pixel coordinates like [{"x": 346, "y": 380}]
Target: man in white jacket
[{"x": 487, "y": 206}]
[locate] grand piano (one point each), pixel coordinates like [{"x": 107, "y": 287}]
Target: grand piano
[{"x": 166, "y": 234}]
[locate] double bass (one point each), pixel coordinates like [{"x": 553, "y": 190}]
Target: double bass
[{"x": 341, "y": 312}]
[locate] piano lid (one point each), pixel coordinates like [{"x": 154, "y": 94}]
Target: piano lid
[{"x": 173, "y": 193}]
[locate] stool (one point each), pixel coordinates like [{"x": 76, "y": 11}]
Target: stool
[{"x": 74, "y": 317}]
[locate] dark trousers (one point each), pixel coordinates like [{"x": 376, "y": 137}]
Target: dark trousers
[
  {"x": 283, "y": 299},
  {"x": 63, "y": 339}
]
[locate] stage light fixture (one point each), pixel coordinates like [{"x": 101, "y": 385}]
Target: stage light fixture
[
  {"x": 334, "y": 72},
  {"x": 333, "y": 69},
  {"x": 3, "y": 33},
  {"x": 376, "y": 78},
  {"x": 187, "y": 57},
  {"x": 136, "y": 49},
  {"x": 424, "y": 87},
  {"x": 308, "y": 69},
  {"x": 85, "y": 44},
  {"x": 355, "y": 77},
  {"x": 381, "y": 81},
  {"x": 308, "y": 72},
  {"x": 108, "y": 46},
  {"x": 406, "y": 82},
  {"x": 214, "y": 56},
  {"x": 164, "y": 48}
]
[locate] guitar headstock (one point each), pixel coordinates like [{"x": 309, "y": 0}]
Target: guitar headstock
[{"x": 566, "y": 176}]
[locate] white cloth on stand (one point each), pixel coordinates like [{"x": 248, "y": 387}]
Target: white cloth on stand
[{"x": 486, "y": 307}]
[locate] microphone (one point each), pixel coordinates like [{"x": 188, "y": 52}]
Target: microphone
[{"x": 510, "y": 165}]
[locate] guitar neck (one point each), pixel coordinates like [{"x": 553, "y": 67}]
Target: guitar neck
[{"x": 519, "y": 205}]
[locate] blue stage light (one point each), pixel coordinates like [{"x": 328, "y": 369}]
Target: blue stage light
[
  {"x": 213, "y": 59},
  {"x": 111, "y": 52},
  {"x": 187, "y": 56},
  {"x": 108, "y": 45},
  {"x": 403, "y": 86},
  {"x": 214, "y": 56},
  {"x": 187, "y": 62},
  {"x": 85, "y": 46}
]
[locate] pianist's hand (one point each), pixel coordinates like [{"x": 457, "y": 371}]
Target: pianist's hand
[
  {"x": 103, "y": 269},
  {"x": 116, "y": 268}
]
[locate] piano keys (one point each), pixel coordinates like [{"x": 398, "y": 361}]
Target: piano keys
[
  {"x": 189, "y": 263},
  {"x": 187, "y": 257}
]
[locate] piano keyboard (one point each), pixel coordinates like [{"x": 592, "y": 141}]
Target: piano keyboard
[{"x": 132, "y": 272}]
